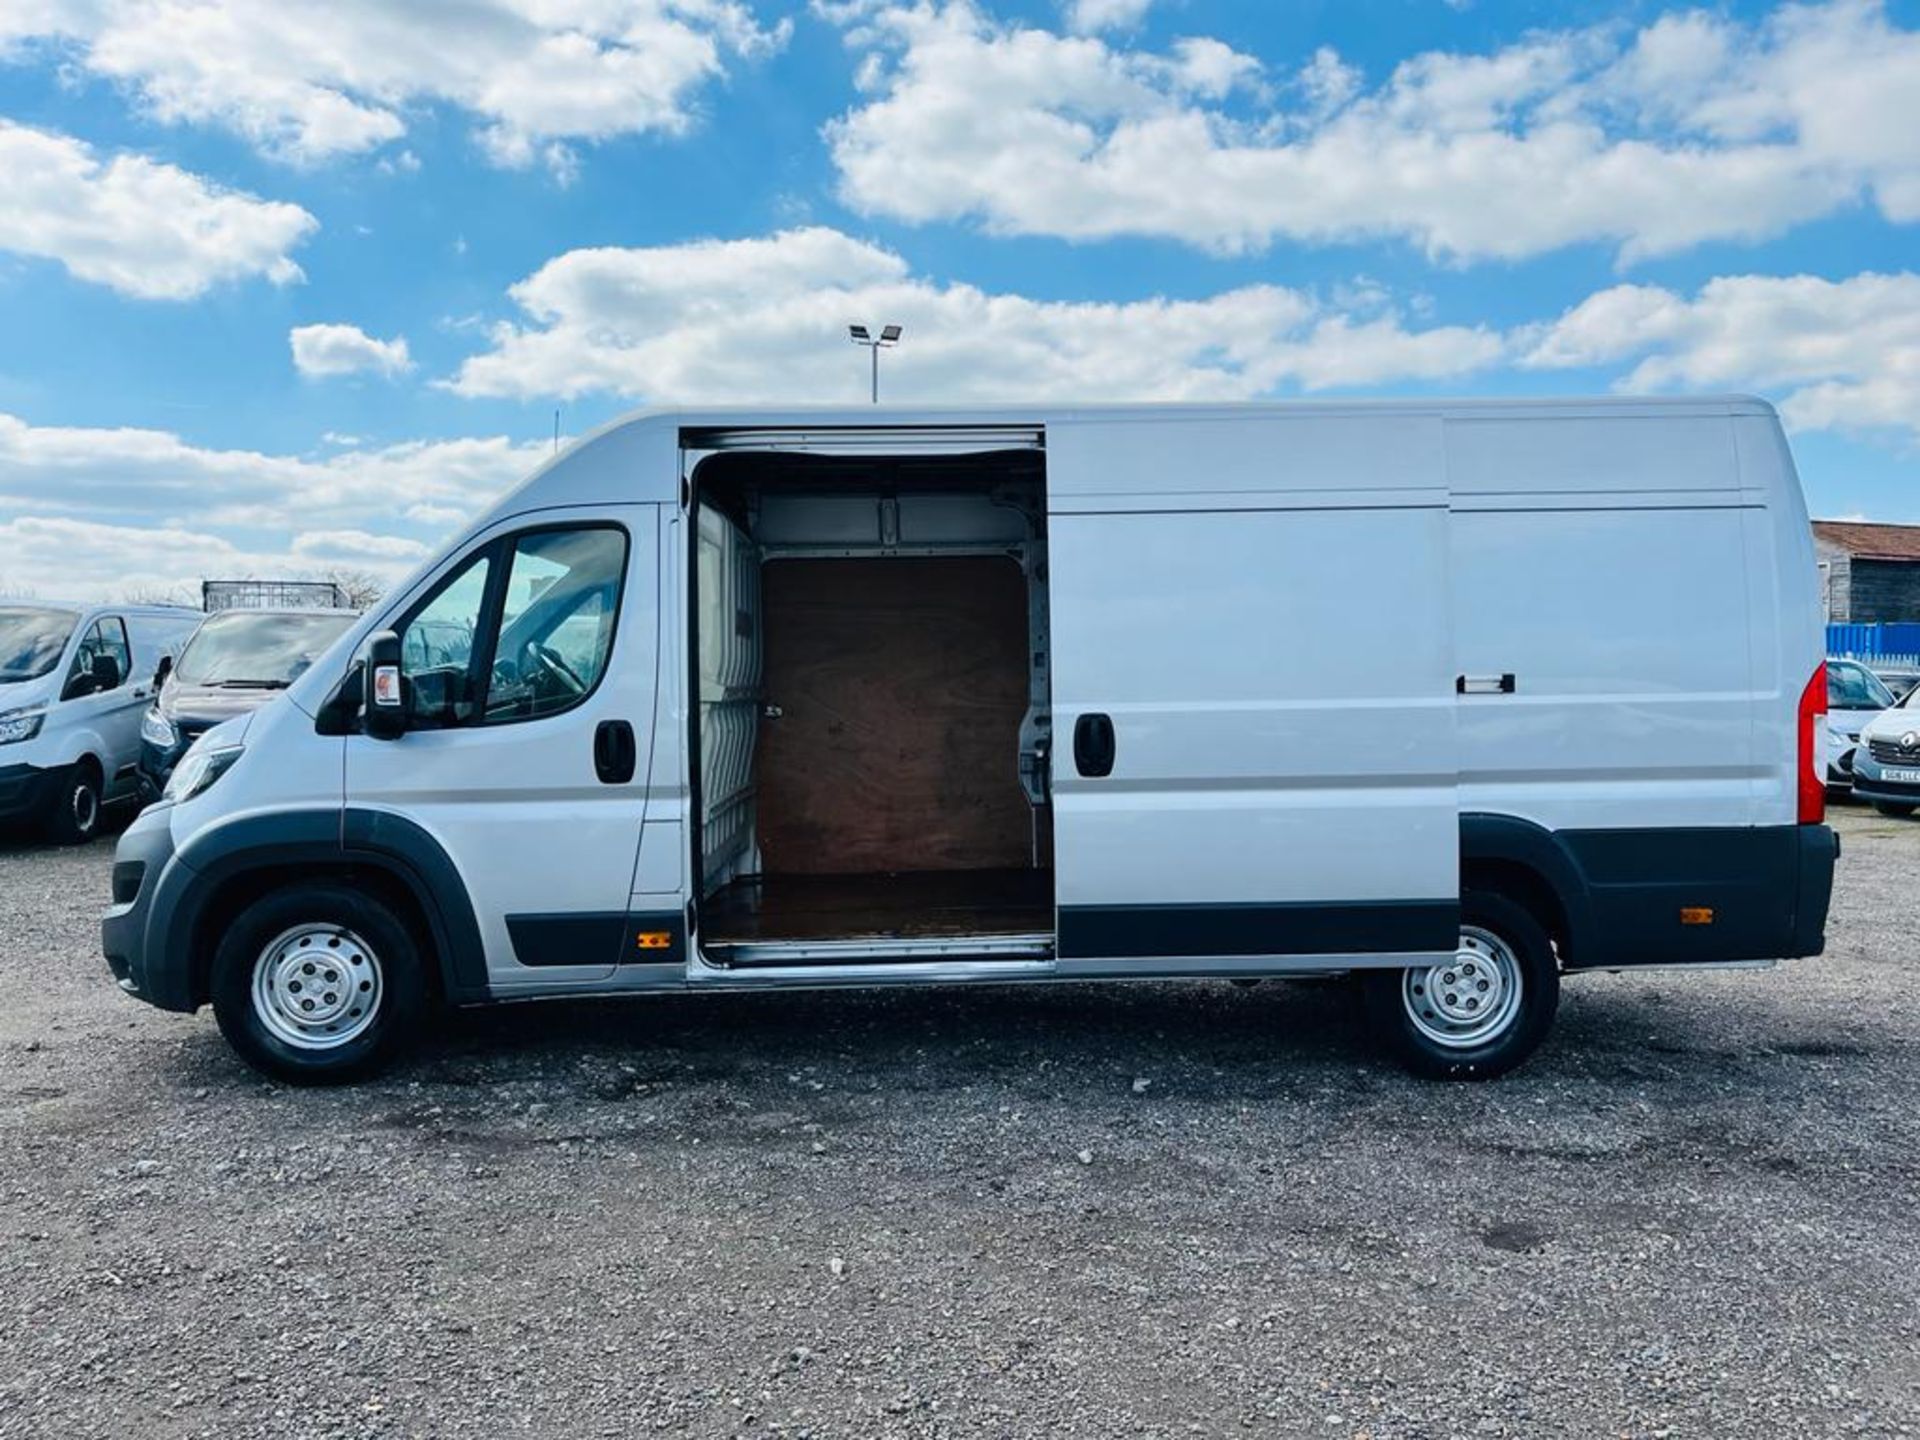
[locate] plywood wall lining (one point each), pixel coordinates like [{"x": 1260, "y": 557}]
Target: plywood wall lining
[{"x": 901, "y": 684}]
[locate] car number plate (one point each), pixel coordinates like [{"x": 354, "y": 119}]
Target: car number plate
[{"x": 1901, "y": 777}]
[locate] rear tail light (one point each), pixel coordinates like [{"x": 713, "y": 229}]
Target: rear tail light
[{"x": 1812, "y": 756}]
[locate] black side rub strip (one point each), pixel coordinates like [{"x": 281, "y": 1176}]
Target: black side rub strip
[
  {"x": 603, "y": 937},
  {"x": 1301, "y": 928}
]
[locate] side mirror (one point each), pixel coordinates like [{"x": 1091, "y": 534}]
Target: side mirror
[
  {"x": 383, "y": 710},
  {"x": 106, "y": 672},
  {"x": 79, "y": 684},
  {"x": 162, "y": 671}
]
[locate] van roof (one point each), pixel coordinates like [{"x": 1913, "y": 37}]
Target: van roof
[
  {"x": 82, "y": 607},
  {"x": 604, "y": 462},
  {"x": 1044, "y": 411},
  {"x": 283, "y": 610}
]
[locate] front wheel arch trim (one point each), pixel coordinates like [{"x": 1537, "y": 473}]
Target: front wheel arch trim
[{"x": 398, "y": 848}]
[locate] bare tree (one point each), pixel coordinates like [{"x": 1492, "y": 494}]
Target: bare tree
[
  {"x": 185, "y": 595},
  {"x": 359, "y": 588}
]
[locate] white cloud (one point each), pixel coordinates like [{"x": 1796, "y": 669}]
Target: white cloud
[
  {"x": 1695, "y": 128},
  {"x": 1087, "y": 16},
  {"x": 1839, "y": 354},
  {"x": 323, "y": 350},
  {"x": 766, "y": 319},
  {"x": 358, "y": 545},
  {"x": 308, "y": 80},
  {"x": 144, "y": 228},
  {"x": 100, "y": 511}
]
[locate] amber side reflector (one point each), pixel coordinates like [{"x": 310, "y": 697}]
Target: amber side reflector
[
  {"x": 1696, "y": 915},
  {"x": 654, "y": 940}
]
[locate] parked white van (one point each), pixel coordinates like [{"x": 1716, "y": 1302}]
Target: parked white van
[
  {"x": 74, "y": 680},
  {"x": 1455, "y": 697}
]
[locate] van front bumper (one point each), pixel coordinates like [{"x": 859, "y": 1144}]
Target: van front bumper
[
  {"x": 1871, "y": 783},
  {"x": 133, "y": 933},
  {"x": 26, "y": 791}
]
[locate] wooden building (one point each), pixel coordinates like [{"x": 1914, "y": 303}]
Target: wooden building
[{"x": 1869, "y": 573}]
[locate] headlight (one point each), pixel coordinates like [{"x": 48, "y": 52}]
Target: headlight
[
  {"x": 18, "y": 725},
  {"x": 198, "y": 770},
  {"x": 156, "y": 729}
]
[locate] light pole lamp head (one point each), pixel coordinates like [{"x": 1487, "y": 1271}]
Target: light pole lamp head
[
  {"x": 858, "y": 334},
  {"x": 890, "y": 335}
]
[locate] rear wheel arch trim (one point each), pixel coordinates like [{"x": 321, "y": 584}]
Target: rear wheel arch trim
[{"x": 1492, "y": 839}]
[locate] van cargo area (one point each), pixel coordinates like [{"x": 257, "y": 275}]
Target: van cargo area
[{"x": 871, "y": 654}]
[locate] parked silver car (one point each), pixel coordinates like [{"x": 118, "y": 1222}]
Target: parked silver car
[{"x": 1854, "y": 696}]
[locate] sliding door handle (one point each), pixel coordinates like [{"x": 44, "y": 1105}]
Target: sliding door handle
[{"x": 1093, "y": 745}]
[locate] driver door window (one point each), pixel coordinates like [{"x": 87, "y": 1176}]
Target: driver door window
[
  {"x": 523, "y": 631},
  {"x": 556, "y": 622},
  {"x": 103, "y": 637}
]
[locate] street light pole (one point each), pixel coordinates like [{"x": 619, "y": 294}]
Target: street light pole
[{"x": 888, "y": 337}]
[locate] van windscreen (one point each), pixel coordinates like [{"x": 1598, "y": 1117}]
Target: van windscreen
[
  {"x": 255, "y": 650},
  {"x": 32, "y": 640}
]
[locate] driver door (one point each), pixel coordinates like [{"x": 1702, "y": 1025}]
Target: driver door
[
  {"x": 114, "y": 712},
  {"x": 517, "y": 659}
]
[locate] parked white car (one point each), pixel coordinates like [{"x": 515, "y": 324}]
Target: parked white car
[
  {"x": 753, "y": 699},
  {"x": 1886, "y": 769},
  {"x": 74, "y": 681}
]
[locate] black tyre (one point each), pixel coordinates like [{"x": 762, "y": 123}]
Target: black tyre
[
  {"x": 74, "y": 818},
  {"x": 318, "y": 983},
  {"x": 1479, "y": 1015},
  {"x": 1894, "y": 808}
]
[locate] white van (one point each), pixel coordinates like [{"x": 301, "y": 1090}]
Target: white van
[
  {"x": 1455, "y": 697},
  {"x": 74, "y": 680}
]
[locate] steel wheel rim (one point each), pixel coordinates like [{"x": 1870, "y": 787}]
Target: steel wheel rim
[
  {"x": 1470, "y": 1000},
  {"x": 86, "y": 808},
  {"x": 317, "y": 987}
]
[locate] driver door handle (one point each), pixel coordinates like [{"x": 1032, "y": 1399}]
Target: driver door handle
[{"x": 614, "y": 752}]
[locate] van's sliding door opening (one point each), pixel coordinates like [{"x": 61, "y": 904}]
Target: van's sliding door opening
[{"x": 873, "y": 679}]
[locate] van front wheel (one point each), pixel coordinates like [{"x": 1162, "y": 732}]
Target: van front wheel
[
  {"x": 1479, "y": 1014},
  {"x": 74, "y": 818},
  {"x": 317, "y": 984}
]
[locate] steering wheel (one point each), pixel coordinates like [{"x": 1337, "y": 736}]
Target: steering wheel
[{"x": 555, "y": 664}]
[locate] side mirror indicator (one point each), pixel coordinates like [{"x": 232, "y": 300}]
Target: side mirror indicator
[
  {"x": 386, "y": 685},
  {"x": 384, "y": 713}
]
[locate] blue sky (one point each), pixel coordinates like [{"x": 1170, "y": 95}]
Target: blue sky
[{"x": 222, "y": 219}]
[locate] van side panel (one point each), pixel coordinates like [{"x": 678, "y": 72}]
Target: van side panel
[{"x": 1626, "y": 632}]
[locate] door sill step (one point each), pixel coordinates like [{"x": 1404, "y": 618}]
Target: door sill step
[{"x": 878, "y": 950}]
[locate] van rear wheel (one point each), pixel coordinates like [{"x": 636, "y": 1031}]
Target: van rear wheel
[
  {"x": 1479, "y": 1014},
  {"x": 317, "y": 984}
]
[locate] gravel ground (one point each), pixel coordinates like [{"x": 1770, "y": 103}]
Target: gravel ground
[{"x": 1131, "y": 1210}]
